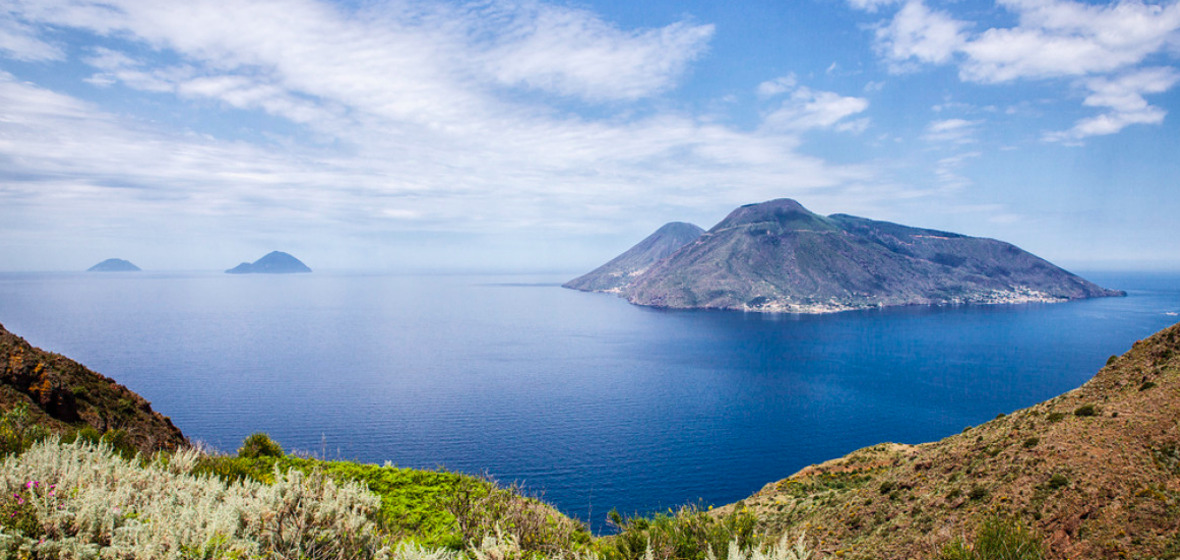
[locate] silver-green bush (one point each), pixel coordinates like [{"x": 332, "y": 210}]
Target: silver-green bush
[{"x": 88, "y": 502}]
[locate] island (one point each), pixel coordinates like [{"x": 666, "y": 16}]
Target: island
[
  {"x": 114, "y": 265},
  {"x": 777, "y": 256},
  {"x": 275, "y": 262}
]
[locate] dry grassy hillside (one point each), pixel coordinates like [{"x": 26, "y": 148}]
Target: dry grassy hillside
[
  {"x": 1096, "y": 472},
  {"x": 63, "y": 395}
]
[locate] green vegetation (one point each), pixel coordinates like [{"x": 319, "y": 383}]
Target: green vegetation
[
  {"x": 690, "y": 533},
  {"x": 87, "y": 498},
  {"x": 81, "y": 500},
  {"x": 998, "y": 538},
  {"x": 18, "y": 431},
  {"x": 259, "y": 445},
  {"x": 1085, "y": 410}
]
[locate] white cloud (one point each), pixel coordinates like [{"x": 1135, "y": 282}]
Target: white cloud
[
  {"x": 919, "y": 33},
  {"x": 20, "y": 41},
  {"x": 777, "y": 86},
  {"x": 951, "y": 131},
  {"x": 807, "y": 109},
  {"x": 947, "y": 171},
  {"x": 573, "y": 52},
  {"x": 1061, "y": 38},
  {"x": 1099, "y": 44},
  {"x": 1124, "y": 97},
  {"x": 871, "y": 5}
]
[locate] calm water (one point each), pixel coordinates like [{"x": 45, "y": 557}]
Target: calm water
[{"x": 592, "y": 401}]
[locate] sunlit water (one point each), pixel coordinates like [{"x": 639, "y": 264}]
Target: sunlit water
[{"x": 593, "y": 402}]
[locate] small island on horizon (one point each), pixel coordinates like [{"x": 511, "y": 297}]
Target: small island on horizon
[
  {"x": 274, "y": 262},
  {"x": 114, "y": 265}
]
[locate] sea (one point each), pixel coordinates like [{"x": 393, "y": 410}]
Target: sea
[{"x": 591, "y": 403}]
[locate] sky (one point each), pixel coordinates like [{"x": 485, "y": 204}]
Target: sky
[{"x": 421, "y": 135}]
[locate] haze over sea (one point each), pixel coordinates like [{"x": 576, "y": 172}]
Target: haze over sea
[{"x": 591, "y": 401}]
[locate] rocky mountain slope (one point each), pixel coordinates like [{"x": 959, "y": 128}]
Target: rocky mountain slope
[
  {"x": 779, "y": 257},
  {"x": 64, "y": 395},
  {"x": 623, "y": 269},
  {"x": 274, "y": 262},
  {"x": 1095, "y": 472}
]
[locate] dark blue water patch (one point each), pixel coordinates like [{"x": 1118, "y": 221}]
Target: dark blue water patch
[{"x": 591, "y": 401}]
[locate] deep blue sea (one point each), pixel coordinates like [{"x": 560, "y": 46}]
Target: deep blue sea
[{"x": 586, "y": 399}]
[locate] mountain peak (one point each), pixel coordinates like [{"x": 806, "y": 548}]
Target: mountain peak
[
  {"x": 786, "y": 213},
  {"x": 680, "y": 229}
]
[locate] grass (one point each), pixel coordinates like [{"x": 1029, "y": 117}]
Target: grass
[{"x": 997, "y": 538}]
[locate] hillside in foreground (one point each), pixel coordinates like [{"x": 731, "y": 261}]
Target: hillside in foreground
[
  {"x": 65, "y": 396},
  {"x": 1095, "y": 472}
]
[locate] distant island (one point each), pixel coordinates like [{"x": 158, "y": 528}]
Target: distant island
[
  {"x": 275, "y": 262},
  {"x": 778, "y": 256},
  {"x": 114, "y": 265}
]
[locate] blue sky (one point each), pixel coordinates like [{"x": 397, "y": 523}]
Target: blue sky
[{"x": 420, "y": 135}]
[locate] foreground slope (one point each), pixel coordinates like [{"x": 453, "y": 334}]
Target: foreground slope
[
  {"x": 63, "y": 395},
  {"x": 779, "y": 257},
  {"x": 617, "y": 274},
  {"x": 1095, "y": 471}
]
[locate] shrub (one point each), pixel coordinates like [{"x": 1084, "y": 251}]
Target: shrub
[
  {"x": 1032, "y": 442},
  {"x": 997, "y": 538},
  {"x": 1055, "y": 417},
  {"x": 89, "y": 502},
  {"x": 19, "y": 430},
  {"x": 688, "y": 534},
  {"x": 1085, "y": 410},
  {"x": 1058, "y": 481},
  {"x": 492, "y": 517},
  {"x": 259, "y": 444},
  {"x": 977, "y": 492},
  {"x": 1147, "y": 385},
  {"x": 783, "y": 550}
]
